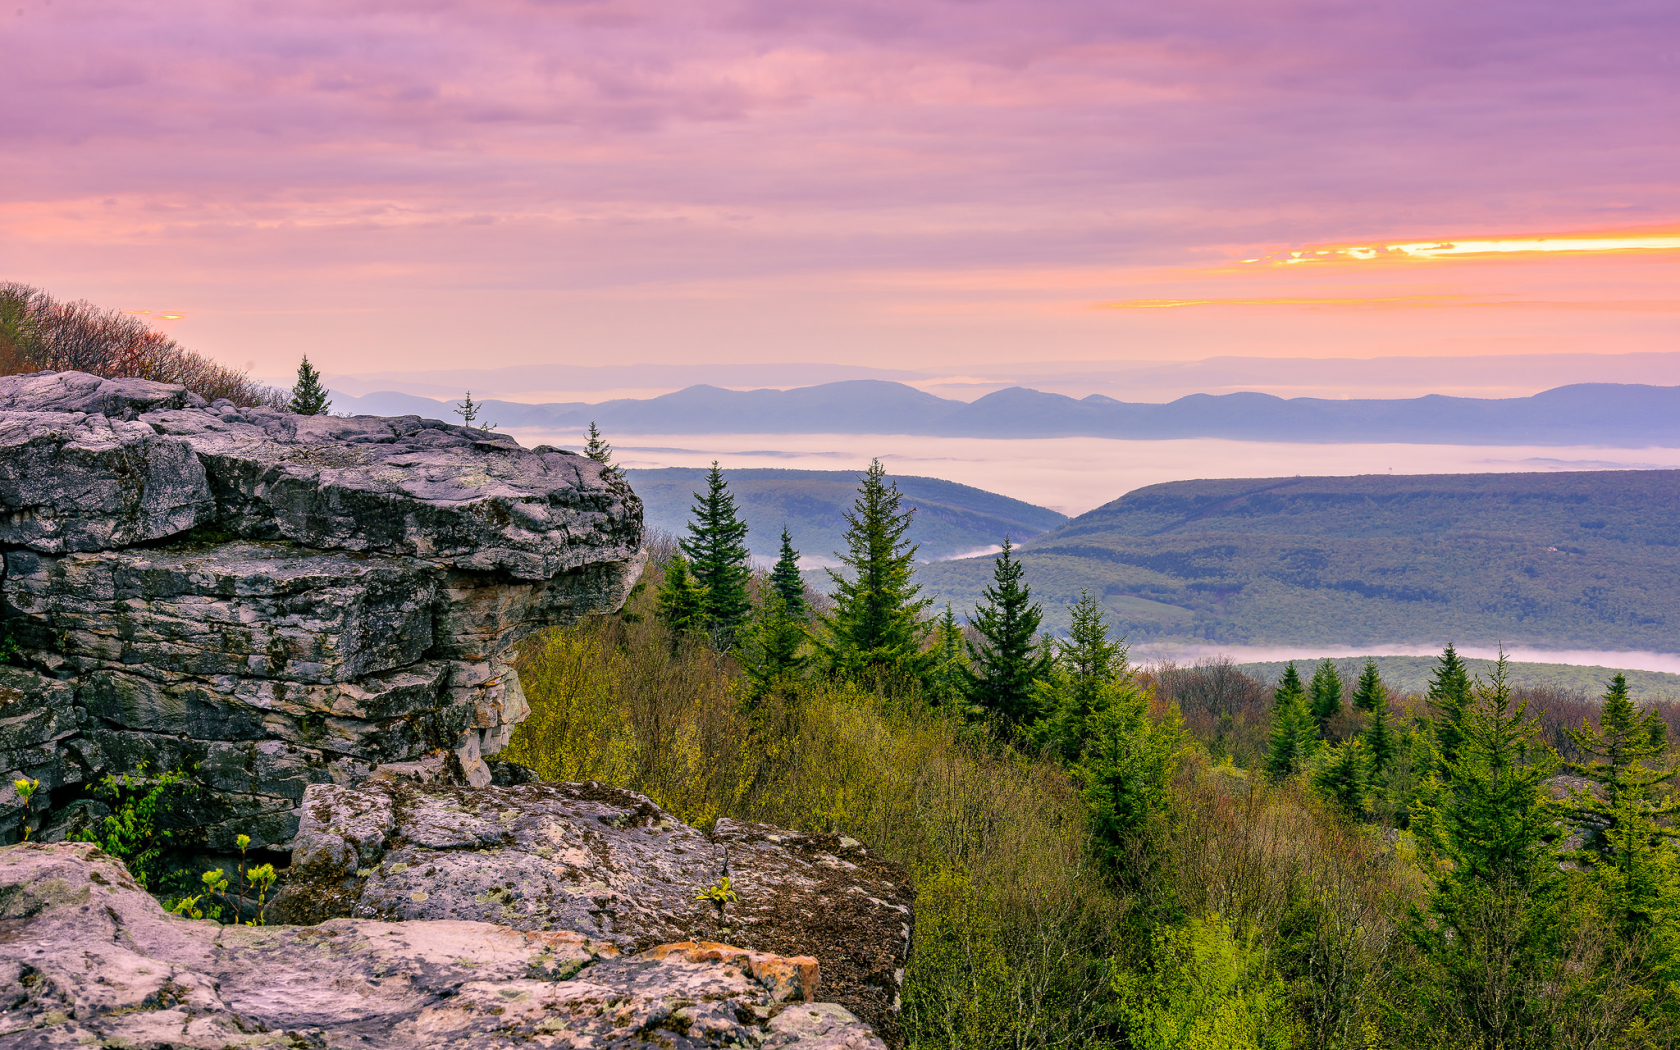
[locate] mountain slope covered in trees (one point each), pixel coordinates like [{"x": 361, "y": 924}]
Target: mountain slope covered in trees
[
  {"x": 1586, "y": 559},
  {"x": 951, "y": 519}
]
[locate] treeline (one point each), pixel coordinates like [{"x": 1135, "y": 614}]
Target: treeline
[
  {"x": 1109, "y": 856},
  {"x": 40, "y": 333}
]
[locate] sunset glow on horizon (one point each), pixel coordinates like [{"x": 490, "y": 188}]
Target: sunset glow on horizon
[{"x": 917, "y": 184}]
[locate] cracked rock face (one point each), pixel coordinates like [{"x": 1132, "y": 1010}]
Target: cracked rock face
[
  {"x": 88, "y": 958},
  {"x": 608, "y": 865},
  {"x": 273, "y": 600}
]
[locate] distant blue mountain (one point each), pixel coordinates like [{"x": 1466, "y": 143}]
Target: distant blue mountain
[{"x": 1610, "y": 414}]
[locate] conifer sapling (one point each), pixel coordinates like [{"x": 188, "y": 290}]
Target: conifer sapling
[{"x": 309, "y": 397}]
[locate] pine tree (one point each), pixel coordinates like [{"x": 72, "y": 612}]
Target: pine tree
[
  {"x": 1293, "y": 736},
  {"x": 786, "y": 581},
  {"x": 947, "y": 676},
  {"x": 1492, "y": 914},
  {"x": 772, "y": 646},
  {"x": 469, "y": 411},
  {"x": 1125, "y": 770},
  {"x": 1380, "y": 743},
  {"x": 1449, "y": 696},
  {"x": 1370, "y": 694},
  {"x": 716, "y": 547},
  {"x": 682, "y": 604},
  {"x": 1343, "y": 777},
  {"x": 1324, "y": 695},
  {"x": 309, "y": 397},
  {"x": 1630, "y": 852},
  {"x": 875, "y": 632},
  {"x": 1082, "y": 680},
  {"x": 1007, "y": 660},
  {"x": 599, "y": 451}
]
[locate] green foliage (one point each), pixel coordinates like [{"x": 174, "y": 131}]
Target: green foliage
[
  {"x": 25, "y": 788},
  {"x": 875, "y": 631},
  {"x": 682, "y": 604},
  {"x": 1086, "y": 672},
  {"x": 1324, "y": 694},
  {"x": 469, "y": 411},
  {"x": 947, "y": 676},
  {"x": 717, "y": 552},
  {"x": 719, "y": 893},
  {"x": 309, "y": 396},
  {"x": 772, "y": 651},
  {"x": 1370, "y": 694},
  {"x": 1125, "y": 770},
  {"x": 786, "y": 581},
  {"x": 1207, "y": 990},
  {"x": 1007, "y": 660},
  {"x": 1491, "y": 924},
  {"x": 1626, "y": 840},
  {"x": 131, "y": 833},
  {"x": 598, "y": 450},
  {"x": 1343, "y": 777},
  {"x": 1294, "y": 735},
  {"x": 1449, "y": 699}
]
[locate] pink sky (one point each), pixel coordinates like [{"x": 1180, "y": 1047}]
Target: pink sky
[{"x": 905, "y": 184}]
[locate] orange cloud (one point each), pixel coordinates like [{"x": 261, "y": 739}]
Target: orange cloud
[{"x": 1478, "y": 246}]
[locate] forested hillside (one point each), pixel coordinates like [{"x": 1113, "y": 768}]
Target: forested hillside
[
  {"x": 1587, "y": 559},
  {"x": 951, "y": 519}
]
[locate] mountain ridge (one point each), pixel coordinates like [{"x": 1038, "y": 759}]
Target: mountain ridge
[{"x": 1611, "y": 414}]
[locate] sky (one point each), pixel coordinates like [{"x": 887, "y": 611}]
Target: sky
[{"x": 943, "y": 186}]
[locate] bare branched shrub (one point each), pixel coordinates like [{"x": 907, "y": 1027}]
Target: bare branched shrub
[{"x": 39, "y": 333}]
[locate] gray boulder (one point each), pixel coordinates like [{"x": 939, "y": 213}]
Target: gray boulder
[
  {"x": 606, "y": 864},
  {"x": 270, "y": 600},
  {"x": 88, "y": 958}
]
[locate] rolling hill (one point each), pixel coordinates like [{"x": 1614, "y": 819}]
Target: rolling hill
[
  {"x": 1588, "y": 559},
  {"x": 951, "y": 519}
]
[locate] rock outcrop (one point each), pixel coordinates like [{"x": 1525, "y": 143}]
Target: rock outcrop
[
  {"x": 273, "y": 600},
  {"x": 605, "y": 864},
  {"x": 87, "y": 958}
]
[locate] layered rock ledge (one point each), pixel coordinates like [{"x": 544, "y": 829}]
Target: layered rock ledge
[
  {"x": 273, "y": 600},
  {"x": 87, "y": 958},
  {"x": 605, "y": 864}
]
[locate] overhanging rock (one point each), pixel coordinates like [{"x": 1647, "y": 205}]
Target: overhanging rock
[{"x": 273, "y": 600}]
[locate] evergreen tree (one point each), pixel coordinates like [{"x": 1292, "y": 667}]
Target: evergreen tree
[
  {"x": 599, "y": 451},
  {"x": 1125, "y": 770},
  {"x": 1492, "y": 914},
  {"x": 1449, "y": 696},
  {"x": 947, "y": 676},
  {"x": 1324, "y": 695},
  {"x": 1630, "y": 852},
  {"x": 716, "y": 547},
  {"x": 309, "y": 397},
  {"x": 682, "y": 604},
  {"x": 1342, "y": 778},
  {"x": 1082, "y": 680},
  {"x": 772, "y": 646},
  {"x": 469, "y": 411},
  {"x": 786, "y": 581},
  {"x": 1293, "y": 737},
  {"x": 1370, "y": 693},
  {"x": 1380, "y": 741},
  {"x": 1007, "y": 660},
  {"x": 875, "y": 631}
]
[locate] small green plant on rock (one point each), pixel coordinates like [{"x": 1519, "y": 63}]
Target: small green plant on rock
[
  {"x": 719, "y": 893},
  {"x": 260, "y": 879},
  {"x": 26, "y": 789}
]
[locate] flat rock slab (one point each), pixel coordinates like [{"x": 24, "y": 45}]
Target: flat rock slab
[
  {"x": 608, "y": 865},
  {"x": 88, "y": 958}
]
